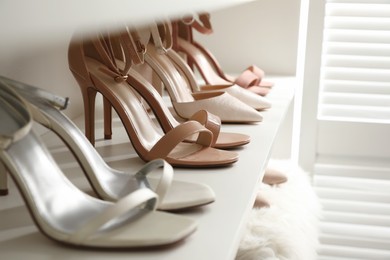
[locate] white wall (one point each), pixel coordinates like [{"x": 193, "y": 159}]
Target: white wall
[
  {"x": 264, "y": 33},
  {"x": 45, "y": 67}
]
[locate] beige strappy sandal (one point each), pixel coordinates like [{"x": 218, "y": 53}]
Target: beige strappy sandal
[
  {"x": 96, "y": 71},
  {"x": 182, "y": 86}
]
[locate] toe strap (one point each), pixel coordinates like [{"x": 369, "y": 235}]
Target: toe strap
[
  {"x": 257, "y": 71},
  {"x": 247, "y": 79},
  {"x": 165, "y": 180},
  {"x": 210, "y": 121},
  {"x": 177, "y": 135},
  {"x": 260, "y": 74},
  {"x": 124, "y": 205}
]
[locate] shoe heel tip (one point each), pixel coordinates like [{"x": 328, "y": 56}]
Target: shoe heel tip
[{"x": 3, "y": 192}]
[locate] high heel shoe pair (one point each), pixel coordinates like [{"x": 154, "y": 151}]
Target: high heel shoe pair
[
  {"x": 126, "y": 218},
  {"x": 205, "y": 62}
]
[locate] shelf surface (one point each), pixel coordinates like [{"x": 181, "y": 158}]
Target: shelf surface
[{"x": 221, "y": 223}]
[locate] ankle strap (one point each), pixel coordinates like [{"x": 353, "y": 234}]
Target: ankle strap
[
  {"x": 202, "y": 24},
  {"x": 133, "y": 49},
  {"x": 102, "y": 44},
  {"x": 162, "y": 33},
  {"x": 11, "y": 101},
  {"x": 34, "y": 92},
  {"x": 182, "y": 28},
  {"x": 126, "y": 46}
]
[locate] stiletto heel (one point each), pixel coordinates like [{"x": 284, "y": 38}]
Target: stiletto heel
[
  {"x": 89, "y": 98},
  {"x": 3, "y": 180},
  {"x": 108, "y": 183},
  {"x": 107, "y": 119},
  {"x": 64, "y": 213}
]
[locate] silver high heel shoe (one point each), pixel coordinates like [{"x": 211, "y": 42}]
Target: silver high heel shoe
[
  {"x": 110, "y": 184},
  {"x": 63, "y": 212}
]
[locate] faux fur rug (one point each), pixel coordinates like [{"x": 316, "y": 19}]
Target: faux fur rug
[{"x": 288, "y": 229}]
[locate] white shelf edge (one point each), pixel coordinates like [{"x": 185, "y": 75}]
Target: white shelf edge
[{"x": 28, "y": 25}]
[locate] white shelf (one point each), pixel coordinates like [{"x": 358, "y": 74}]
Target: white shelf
[
  {"x": 220, "y": 224},
  {"x": 29, "y": 25}
]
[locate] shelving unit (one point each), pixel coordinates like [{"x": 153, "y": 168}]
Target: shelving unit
[
  {"x": 220, "y": 223},
  {"x": 26, "y": 26}
]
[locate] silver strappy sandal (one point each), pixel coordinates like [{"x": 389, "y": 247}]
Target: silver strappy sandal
[
  {"x": 110, "y": 184},
  {"x": 63, "y": 212}
]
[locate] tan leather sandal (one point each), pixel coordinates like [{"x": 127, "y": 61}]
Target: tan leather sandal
[{"x": 206, "y": 63}]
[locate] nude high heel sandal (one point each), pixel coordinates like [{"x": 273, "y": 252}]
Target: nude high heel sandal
[
  {"x": 109, "y": 184},
  {"x": 247, "y": 97},
  {"x": 211, "y": 71},
  {"x": 64, "y": 213},
  {"x": 182, "y": 87},
  {"x": 153, "y": 99},
  {"x": 96, "y": 71}
]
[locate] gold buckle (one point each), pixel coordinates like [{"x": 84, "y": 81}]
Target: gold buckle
[
  {"x": 121, "y": 78},
  {"x": 188, "y": 20}
]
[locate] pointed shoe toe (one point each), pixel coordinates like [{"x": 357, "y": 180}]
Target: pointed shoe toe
[
  {"x": 256, "y": 101},
  {"x": 228, "y": 108}
]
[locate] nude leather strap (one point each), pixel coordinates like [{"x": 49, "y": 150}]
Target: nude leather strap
[
  {"x": 257, "y": 71},
  {"x": 252, "y": 76},
  {"x": 165, "y": 35},
  {"x": 247, "y": 79},
  {"x": 179, "y": 134},
  {"x": 210, "y": 121},
  {"x": 108, "y": 60},
  {"x": 183, "y": 28},
  {"x": 133, "y": 48},
  {"x": 203, "y": 25}
]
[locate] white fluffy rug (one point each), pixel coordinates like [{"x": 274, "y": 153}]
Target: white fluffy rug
[{"x": 289, "y": 228}]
